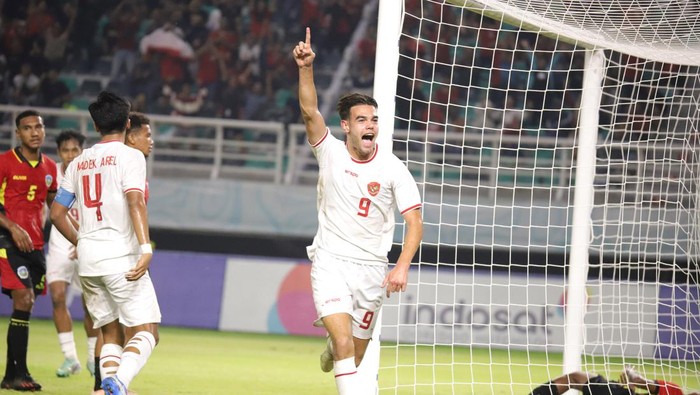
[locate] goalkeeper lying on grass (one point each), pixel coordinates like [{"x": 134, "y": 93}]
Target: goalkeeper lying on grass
[{"x": 594, "y": 384}]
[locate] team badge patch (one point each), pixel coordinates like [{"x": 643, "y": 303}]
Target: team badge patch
[
  {"x": 373, "y": 188},
  {"x": 22, "y": 272},
  {"x": 49, "y": 180}
]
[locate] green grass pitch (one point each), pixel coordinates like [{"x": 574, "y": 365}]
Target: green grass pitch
[{"x": 194, "y": 361}]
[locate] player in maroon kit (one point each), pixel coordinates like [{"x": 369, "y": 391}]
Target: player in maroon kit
[{"x": 28, "y": 181}]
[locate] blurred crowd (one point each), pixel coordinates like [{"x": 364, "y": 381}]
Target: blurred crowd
[
  {"x": 211, "y": 58},
  {"x": 479, "y": 73}
]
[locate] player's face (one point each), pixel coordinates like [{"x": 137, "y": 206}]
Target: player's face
[
  {"x": 69, "y": 150},
  {"x": 142, "y": 140},
  {"x": 31, "y": 132},
  {"x": 361, "y": 129}
]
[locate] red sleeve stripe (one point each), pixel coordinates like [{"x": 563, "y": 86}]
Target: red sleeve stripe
[
  {"x": 345, "y": 374},
  {"x": 411, "y": 208},
  {"x": 134, "y": 189},
  {"x": 322, "y": 138}
]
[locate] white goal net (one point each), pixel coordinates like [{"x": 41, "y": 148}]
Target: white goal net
[{"x": 556, "y": 145}]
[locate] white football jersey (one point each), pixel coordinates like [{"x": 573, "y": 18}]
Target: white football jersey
[
  {"x": 57, "y": 243},
  {"x": 100, "y": 178},
  {"x": 357, "y": 200}
]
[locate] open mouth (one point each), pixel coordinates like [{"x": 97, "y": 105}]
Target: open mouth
[{"x": 368, "y": 137}]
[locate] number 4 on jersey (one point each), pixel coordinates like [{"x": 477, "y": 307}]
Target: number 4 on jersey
[{"x": 88, "y": 200}]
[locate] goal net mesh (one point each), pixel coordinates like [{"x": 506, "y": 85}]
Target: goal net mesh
[{"x": 487, "y": 112}]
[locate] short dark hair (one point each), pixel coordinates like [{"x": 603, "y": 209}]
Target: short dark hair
[
  {"x": 137, "y": 120},
  {"x": 70, "y": 134},
  {"x": 110, "y": 113},
  {"x": 24, "y": 114},
  {"x": 346, "y": 102}
]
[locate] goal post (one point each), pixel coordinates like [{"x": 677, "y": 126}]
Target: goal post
[
  {"x": 555, "y": 145},
  {"x": 388, "y": 32},
  {"x": 582, "y": 208}
]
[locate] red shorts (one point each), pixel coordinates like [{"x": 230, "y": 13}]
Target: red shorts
[{"x": 19, "y": 270}]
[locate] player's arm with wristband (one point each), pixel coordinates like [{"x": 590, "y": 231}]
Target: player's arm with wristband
[{"x": 139, "y": 219}]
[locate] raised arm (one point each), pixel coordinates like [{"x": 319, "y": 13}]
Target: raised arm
[{"x": 308, "y": 99}]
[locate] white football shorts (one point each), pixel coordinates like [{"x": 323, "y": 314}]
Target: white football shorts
[
  {"x": 112, "y": 297},
  {"x": 60, "y": 267},
  {"x": 342, "y": 286}
]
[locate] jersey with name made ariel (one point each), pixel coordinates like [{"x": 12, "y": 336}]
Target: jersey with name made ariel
[
  {"x": 23, "y": 191},
  {"x": 100, "y": 178},
  {"x": 357, "y": 200}
]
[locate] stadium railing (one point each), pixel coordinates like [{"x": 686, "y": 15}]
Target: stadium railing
[{"x": 213, "y": 148}]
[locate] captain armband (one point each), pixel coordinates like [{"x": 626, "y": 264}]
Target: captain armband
[{"x": 64, "y": 198}]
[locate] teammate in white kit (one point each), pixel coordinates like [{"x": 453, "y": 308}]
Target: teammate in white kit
[
  {"x": 106, "y": 183},
  {"x": 360, "y": 186},
  {"x": 62, "y": 270}
]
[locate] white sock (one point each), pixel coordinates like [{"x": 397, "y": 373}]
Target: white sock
[
  {"x": 65, "y": 339},
  {"x": 91, "y": 342},
  {"x": 132, "y": 362},
  {"x": 346, "y": 376},
  {"x": 110, "y": 353}
]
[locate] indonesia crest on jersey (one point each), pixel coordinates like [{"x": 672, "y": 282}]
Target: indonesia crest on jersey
[{"x": 357, "y": 201}]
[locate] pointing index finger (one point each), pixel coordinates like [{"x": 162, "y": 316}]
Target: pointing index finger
[{"x": 308, "y": 36}]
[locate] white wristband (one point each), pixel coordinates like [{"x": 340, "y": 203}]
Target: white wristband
[{"x": 146, "y": 248}]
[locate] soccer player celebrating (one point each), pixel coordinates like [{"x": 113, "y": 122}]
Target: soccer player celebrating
[
  {"x": 62, "y": 270},
  {"x": 360, "y": 186},
  {"x": 106, "y": 183},
  {"x": 28, "y": 181}
]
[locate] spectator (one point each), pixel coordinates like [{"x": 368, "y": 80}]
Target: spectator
[
  {"x": 145, "y": 79},
  {"x": 230, "y": 100},
  {"x": 15, "y": 44},
  {"x": 38, "y": 19},
  {"x": 366, "y": 47},
  {"x": 54, "y": 92},
  {"x": 171, "y": 50},
  {"x": 83, "y": 50},
  {"x": 260, "y": 19},
  {"x": 223, "y": 37},
  {"x": 123, "y": 27},
  {"x": 255, "y": 102},
  {"x": 250, "y": 52},
  {"x": 363, "y": 78},
  {"x": 56, "y": 40},
  {"x": 196, "y": 33},
  {"x": 25, "y": 86},
  {"x": 210, "y": 66}
]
